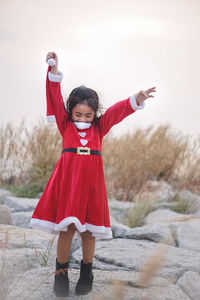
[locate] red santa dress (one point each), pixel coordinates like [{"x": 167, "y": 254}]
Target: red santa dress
[{"x": 76, "y": 191}]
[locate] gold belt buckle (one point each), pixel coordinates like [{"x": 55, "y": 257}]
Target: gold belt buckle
[{"x": 83, "y": 150}]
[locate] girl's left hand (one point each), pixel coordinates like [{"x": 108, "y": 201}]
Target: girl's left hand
[{"x": 143, "y": 95}]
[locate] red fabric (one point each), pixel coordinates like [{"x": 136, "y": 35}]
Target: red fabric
[
  {"x": 49, "y": 107},
  {"x": 77, "y": 186}
]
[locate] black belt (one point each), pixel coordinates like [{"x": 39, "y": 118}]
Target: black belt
[{"x": 82, "y": 151}]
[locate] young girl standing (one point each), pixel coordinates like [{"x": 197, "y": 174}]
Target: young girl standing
[{"x": 75, "y": 196}]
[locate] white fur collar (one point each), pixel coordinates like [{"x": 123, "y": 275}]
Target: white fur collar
[{"x": 82, "y": 125}]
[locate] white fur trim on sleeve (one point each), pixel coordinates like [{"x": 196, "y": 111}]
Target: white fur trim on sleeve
[
  {"x": 51, "y": 62},
  {"x": 55, "y": 78},
  {"x": 51, "y": 119},
  {"x": 134, "y": 105}
]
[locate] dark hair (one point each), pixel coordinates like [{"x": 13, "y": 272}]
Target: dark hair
[{"x": 81, "y": 94}]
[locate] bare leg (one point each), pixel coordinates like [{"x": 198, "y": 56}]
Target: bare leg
[
  {"x": 88, "y": 247},
  {"x": 64, "y": 244}
]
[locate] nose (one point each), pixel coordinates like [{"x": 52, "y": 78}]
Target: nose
[{"x": 82, "y": 119}]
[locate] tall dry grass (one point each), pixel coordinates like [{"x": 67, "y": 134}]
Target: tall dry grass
[
  {"x": 150, "y": 154},
  {"x": 28, "y": 156}
]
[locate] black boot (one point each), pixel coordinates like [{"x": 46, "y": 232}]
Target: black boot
[
  {"x": 61, "y": 283},
  {"x": 84, "y": 284}
]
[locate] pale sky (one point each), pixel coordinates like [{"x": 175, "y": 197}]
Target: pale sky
[{"x": 113, "y": 46}]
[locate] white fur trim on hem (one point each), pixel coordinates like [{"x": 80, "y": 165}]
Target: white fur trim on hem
[
  {"x": 55, "y": 78},
  {"x": 134, "y": 105},
  {"x": 100, "y": 232},
  {"x": 51, "y": 119}
]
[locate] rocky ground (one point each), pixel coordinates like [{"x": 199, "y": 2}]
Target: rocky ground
[{"x": 160, "y": 260}]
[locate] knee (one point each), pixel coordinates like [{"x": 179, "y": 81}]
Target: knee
[
  {"x": 87, "y": 235},
  {"x": 72, "y": 228}
]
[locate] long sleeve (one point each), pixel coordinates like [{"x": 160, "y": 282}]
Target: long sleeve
[
  {"x": 55, "y": 105},
  {"x": 116, "y": 113}
]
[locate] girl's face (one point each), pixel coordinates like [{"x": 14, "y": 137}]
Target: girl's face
[{"x": 82, "y": 112}]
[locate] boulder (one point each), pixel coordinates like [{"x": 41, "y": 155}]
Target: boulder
[
  {"x": 20, "y": 204},
  {"x": 120, "y": 209},
  {"x": 3, "y": 195},
  {"x": 34, "y": 247},
  {"x": 22, "y": 218},
  {"x": 5, "y": 215},
  {"x": 130, "y": 254},
  {"x": 164, "y": 205},
  {"x": 38, "y": 284},
  {"x": 194, "y": 222},
  {"x": 153, "y": 232},
  {"x": 189, "y": 283},
  {"x": 164, "y": 215},
  {"x": 119, "y": 230},
  {"x": 188, "y": 237},
  {"x": 120, "y": 205},
  {"x": 159, "y": 191}
]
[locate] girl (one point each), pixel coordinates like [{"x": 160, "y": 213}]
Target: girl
[{"x": 75, "y": 196}]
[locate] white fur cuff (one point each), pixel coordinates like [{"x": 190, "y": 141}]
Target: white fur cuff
[
  {"x": 134, "y": 105},
  {"x": 55, "y": 78},
  {"x": 51, "y": 119}
]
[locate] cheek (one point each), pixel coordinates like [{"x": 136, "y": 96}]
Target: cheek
[
  {"x": 74, "y": 118},
  {"x": 92, "y": 117}
]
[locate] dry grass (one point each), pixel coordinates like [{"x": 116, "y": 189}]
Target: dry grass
[
  {"x": 153, "y": 264},
  {"x": 183, "y": 206},
  {"x": 27, "y": 158},
  {"x": 150, "y": 154},
  {"x": 141, "y": 209},
  {"x": 45, "y": 254}
]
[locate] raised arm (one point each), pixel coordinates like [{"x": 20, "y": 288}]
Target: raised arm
[
  {"x": 55, "y": 106},
  {"x": 120, "y": 110}
]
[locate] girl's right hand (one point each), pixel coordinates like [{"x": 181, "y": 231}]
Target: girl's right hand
[{"x": 54, "y": 56}]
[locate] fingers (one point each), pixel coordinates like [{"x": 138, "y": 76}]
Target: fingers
[
  {"x": 148, "y": 92},
  {"x": 51, "y": 55},
  {"x": 144, "y": 94},
  {"x": 153, "y": 89}
]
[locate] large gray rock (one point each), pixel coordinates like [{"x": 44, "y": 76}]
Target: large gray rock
[
  {"x": 164, "y": 215},
  {"x": 107, "y": 286},
  {"x": 119, "y": 230},
  {"x": 166, "y": 205},
  {"x": 23, "y": 249},
  {"x": 120, "y": 205},
  {"x": 189, "y": 283},
  {"x": 153, "y": 232},
  {"x": 32, "y": 246},
  {"x": 194, "y": 222},
  {"x": 5, "y": 216},
  {"x": 129, "y": 254},
  {"x": 22, "y": 218},
  {"x": 20, "y": 204},
  {"x": 25, "y": 277},
  {"x": 159, "y": 191},
  {"x": 197, "y": 213},
  {"x": 188, "y": 237},
  {"x": 3, "y": 195},
  {"x": 120, "y": 209}
]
